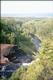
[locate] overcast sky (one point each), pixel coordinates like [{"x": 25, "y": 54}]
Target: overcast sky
[{"x": 27, "y": 8}]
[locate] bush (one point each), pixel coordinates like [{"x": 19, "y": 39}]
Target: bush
[
  {"x": 42, "y": 68},
  {"x": 18, "y": 75}
]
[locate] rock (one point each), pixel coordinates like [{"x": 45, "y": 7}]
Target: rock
[{"x": 4, "y": 51}]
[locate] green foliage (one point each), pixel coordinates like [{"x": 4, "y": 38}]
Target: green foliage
[
  {"x": 42, "y": 68},
  {"x": 3, "y": 78},
  {"x": 18, "y": 75},
  {"x": 42, "y": 27},
  {"x": 12, "y": 33}
]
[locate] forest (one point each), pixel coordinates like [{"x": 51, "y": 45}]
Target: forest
[{"x": 34, "y": 36}]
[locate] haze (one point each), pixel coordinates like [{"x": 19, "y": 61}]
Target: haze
[{"x": 27, "y": 8}]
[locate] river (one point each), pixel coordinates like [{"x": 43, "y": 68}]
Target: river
[{"x": 8, "y": 69}]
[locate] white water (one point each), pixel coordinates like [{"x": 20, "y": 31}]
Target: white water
[{"x": 27, "y": 64}]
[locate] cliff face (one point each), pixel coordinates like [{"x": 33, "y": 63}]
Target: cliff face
[
  {"x": 5, "y": 48},
  {"x": 4, "y": 51}
]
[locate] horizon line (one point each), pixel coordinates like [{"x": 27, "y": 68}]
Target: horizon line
[{"x": 28, "y": 15}]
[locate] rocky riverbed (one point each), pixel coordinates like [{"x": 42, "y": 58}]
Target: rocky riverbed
[{"x": 11, "y": 59}]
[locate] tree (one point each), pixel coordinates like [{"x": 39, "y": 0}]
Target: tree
[{"x": 42, "y": 68}]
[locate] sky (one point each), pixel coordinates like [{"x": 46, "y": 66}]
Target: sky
[{"x": 27, "y": 8}]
